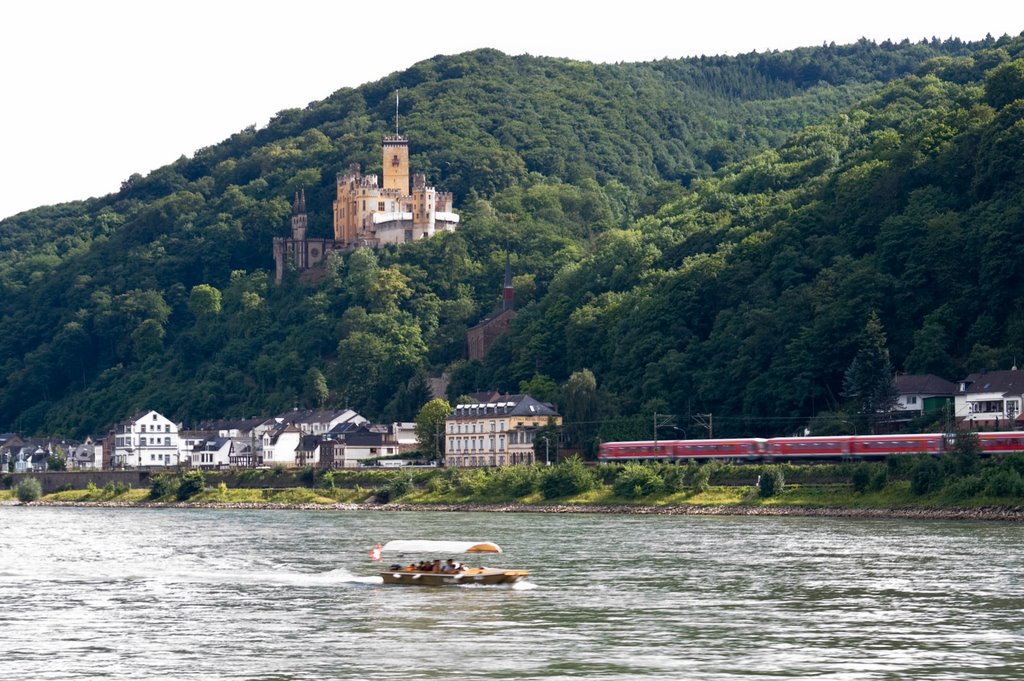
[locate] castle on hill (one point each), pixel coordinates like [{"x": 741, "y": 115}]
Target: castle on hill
[{"x": 368, "y": 214}]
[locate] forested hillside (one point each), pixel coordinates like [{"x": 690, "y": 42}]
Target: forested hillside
[{"x": 703, "y": 235}]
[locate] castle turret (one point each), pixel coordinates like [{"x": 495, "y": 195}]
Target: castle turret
[
  {"x": 396, "y": 163},
  {"x": 300, "y": 221}
]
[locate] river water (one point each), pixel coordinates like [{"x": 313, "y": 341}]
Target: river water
[{"x": 259, "y": 594}]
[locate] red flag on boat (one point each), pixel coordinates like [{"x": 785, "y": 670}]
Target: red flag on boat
[{"x": 375, "y": 553}]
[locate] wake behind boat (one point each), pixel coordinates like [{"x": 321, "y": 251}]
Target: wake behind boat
[{"x": 437, "y": 573}]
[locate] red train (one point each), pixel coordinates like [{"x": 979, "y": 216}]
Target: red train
[{"x": 801, "y": 448}]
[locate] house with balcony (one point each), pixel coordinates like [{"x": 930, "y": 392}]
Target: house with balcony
[
  {"x": 496, "y": 432},
  {"x": 350, "y": 445},
  {"x": 990, "y": 400},
  {"x": 147, "y": 439}
]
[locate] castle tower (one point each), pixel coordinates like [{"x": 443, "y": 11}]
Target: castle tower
[
  {"x": 300, "y": 221},
  {"x": 396, "y": 163},
  {"x": 508, "y": 294}
]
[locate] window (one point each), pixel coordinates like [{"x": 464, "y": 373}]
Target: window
[
  {"x": 167, "y": 441},
  {"x": 142, "y": 442},
  {"x": 911, "y": 399},
  {"x": 380, "y": 206},
  {"x": 142, "y": 428}
]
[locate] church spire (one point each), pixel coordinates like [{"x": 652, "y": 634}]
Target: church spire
[{"x": 299, "y": 207}]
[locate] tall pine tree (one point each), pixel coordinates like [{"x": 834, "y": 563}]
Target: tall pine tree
[{"x": 869, "y": 382}]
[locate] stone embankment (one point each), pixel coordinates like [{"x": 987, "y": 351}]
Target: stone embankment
[{"x": 1015, "y": 514}]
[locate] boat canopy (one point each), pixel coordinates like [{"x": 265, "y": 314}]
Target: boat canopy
[{"x": 432, "y": 546}]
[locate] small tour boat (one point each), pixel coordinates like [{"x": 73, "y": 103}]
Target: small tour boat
[{"x": 408, "y": 575}]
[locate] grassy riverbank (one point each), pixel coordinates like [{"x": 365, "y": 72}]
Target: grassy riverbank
[
  {"x": 818, "y": 500},
  {"x": 991, "y": 488}
]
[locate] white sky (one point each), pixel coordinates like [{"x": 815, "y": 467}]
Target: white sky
[{"x": 91, "y": 92}]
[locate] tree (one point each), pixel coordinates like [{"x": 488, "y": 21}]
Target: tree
[
  {"x": 204, "y": 301},
  {"x": 430, "y": 428},
  {"x": 582, "y": 407},
  {"x": 965, "y": 459},
  {"x": 315, "y": 386},
  {"x": 28, "y": 489},
  {"x": 56, "y": 461},
  {"x": 868, "y": 382}
]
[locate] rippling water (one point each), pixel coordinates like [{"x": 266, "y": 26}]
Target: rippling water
[{"x": 209, "y": 594}]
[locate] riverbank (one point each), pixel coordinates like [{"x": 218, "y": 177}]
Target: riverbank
[{"x": 1012, "y": 514}]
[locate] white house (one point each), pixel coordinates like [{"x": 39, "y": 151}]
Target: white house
[
  {"x": 146, "y": 439},
  {"x": 280, "y": 443},
  {"x": 214, "y": 452},
  {"x": 990, "y": 400}
]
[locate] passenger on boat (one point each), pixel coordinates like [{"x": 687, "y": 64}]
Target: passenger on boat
[
  {"x": 436, "y": 567},
  {"x": 449, "y": 567},
  {"x": 411, "y": 568},
  {"x": 395, "y": 567}
]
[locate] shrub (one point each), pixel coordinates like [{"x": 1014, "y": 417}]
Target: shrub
[
  {"x": 471, "y": 482},
  {"x": 90, "y": 489},
  {"x": 28, "y": 490},
  {"x": 163, "y": 485},
  {"x": 511, "y": 482},
  {"x": 771, "y": 482},
  {"x": 400, "y": 486},
  {"x": 900, "y": 466},
  {"x": 439, "y": 484},
  {"x": 637, "y": 480},
  {"x": 327, "y": 480},
  {"x": 861, "y": 478},
  {"x": 115, "y": 489},
  {"x": 879, "y": 480},
  {"x": 192, "y": 483},
  {"x": 673, "y": 475},
  {"x": 1003, "y": 482},
  {"x": 607, "y": 472},
  {"x": 702, "y": 476},
  {"x": 925, "y": 476},
  {"x": 566, "y": 479},
  {"x": 965, "y": 487}
]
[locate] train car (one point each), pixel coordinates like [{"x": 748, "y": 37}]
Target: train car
[
  {"x": 880, "y": 446},
  {"x": 816, "y": 447},
  {"x": 1001, "y": 443},
  {"x": 611, "y": 452},
  {"x": 739, "y": 449}
]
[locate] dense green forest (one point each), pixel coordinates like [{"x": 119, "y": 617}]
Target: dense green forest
[{"x": 706, "y": 235}]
